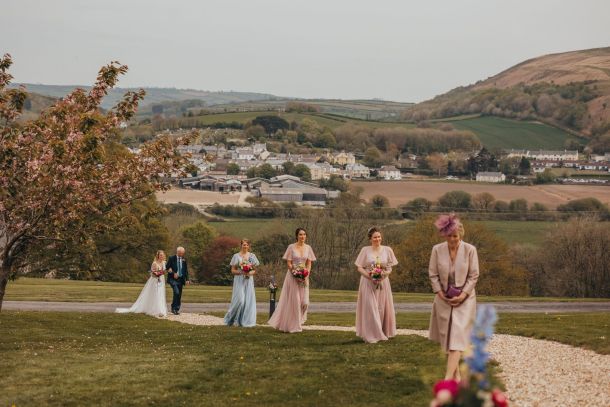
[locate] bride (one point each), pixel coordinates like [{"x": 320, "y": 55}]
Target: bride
[{"x": 152, "y": 298}]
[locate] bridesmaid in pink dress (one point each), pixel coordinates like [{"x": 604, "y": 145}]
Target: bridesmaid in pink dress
[
  {"x": 291, "y": 311},
  {"x": 375, "y": 316}
]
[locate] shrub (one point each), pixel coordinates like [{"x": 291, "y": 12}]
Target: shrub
[
  {"x": 585, "y": 205},
  {"x": 380, "y": 201},
  {"x": 574, "y": 262},
  {"x": 455, "y": 200},
  {"x": 498, "y": 275},
  {"x": 215, "y": 261}
]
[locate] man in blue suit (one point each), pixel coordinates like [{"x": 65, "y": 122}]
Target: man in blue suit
[{"x": 177, "y": 277}]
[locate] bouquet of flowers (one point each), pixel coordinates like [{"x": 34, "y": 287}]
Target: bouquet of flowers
[
  {"x": 157, "y": 273},
  {"x": 246, "y": 267},
  {"x": 376, "y": 272},
  {"x": 300, "y": 273},
  {"x": 474, "y": 389}
]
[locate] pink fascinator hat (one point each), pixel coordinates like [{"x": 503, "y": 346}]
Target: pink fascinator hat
[{"x": 446, "y": 224}]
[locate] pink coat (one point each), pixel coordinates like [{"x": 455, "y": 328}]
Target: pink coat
[{"x": 450, "y": 326}]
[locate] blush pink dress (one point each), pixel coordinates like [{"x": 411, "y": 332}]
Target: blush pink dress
[
  {"x": 291, "y": 310},
  {"x": 375, "y": 315}
]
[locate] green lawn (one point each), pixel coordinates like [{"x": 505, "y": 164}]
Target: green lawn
[
  {"x": 71, "y": 359},
  {"x": 495, "y": 132},
  {"x": 521, "y": 232},
  {"x": 39, "y": 289},
  {"x": 249, "y": 227},
  {"x": 586, "y": 330}
]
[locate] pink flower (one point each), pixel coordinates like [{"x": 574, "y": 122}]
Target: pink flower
[
  {"x": 499, "y": 399},
  {"x": 453, "y": 386}
]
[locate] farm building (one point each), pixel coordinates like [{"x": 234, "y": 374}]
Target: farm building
[{"x": 490, "y": 177}]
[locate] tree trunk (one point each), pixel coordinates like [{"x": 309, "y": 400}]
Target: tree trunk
[{"x": 3, "y": 282}]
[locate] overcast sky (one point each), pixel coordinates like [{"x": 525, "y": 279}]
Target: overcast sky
[{"x": 394, "y": 50}]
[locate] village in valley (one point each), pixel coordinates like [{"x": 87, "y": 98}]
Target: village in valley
[{"x": 249, "y": 168}]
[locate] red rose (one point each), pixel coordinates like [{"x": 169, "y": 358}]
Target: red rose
[
  {"x": 453, "y": 386},
  {"x": 305, "y": 273},
  {"x": 499, "y": 398}
]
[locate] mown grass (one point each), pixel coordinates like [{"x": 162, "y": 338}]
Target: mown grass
[
  {"x": 71, "y": 359},
  {"x": 522, "y": 232},
  {"x": 38, "y": 289},
  {"x": 519, "y": 232},
  {"x": 250, "y": 228},
  {"x": 586, "y": 330},
  {"x": 496, "y": 132}
]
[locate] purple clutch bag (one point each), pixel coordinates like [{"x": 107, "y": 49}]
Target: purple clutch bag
[{"x": 453, "y": 291}]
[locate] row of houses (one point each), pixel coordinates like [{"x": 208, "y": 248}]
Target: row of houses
[
  {"x": 544, "y": 155},
  {"x": 581, "y": 165}
]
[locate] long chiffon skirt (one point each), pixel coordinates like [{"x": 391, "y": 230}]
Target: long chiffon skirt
[
  {"x": 151, "y": 300},
  {"x": 375, "y": 315},
  {"x": 242, "y": 311},
  {"x": 291, "y": 311}
]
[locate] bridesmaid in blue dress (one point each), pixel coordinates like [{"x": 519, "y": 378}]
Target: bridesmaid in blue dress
[{"x": 242, "y": 311}]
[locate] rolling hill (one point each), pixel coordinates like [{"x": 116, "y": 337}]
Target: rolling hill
[
  {"x": 153, "y": 95},
  {"x": 569, "y": 90}
]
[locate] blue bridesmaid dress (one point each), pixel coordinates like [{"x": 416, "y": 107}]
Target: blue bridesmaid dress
[{"x": 242, "y": 311}]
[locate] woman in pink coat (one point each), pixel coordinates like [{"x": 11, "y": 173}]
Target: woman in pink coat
[
  {"x": 375, "y": 316},
  {"x": 453, "y": 271},
  {"x": 291, "y": 310}
]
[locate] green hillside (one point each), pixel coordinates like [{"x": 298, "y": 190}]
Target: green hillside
[
  {"x": 153, "y": 95},
  {"x": 495, "y": 132}
]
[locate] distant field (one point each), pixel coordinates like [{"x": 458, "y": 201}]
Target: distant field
[
  {"x": 400, "y": 192},
  {"x": 250, "y": 228},
  {"x": 519, "y": 232},
  {"x": 522, "y": 232},
  {"x": 195, "y": 197},
  {"x": 495, "y": 132}
]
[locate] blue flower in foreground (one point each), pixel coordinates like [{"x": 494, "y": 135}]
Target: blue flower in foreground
[{"x": 481, "y": 334}]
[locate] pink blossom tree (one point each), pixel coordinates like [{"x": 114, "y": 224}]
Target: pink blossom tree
[{"x": 61, "y": 171}]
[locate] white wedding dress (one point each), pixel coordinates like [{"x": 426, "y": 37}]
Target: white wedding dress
[{"x": 152, "y": 298}]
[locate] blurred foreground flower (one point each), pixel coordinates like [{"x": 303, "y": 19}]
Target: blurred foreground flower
[{"x": 474, "y": 389}]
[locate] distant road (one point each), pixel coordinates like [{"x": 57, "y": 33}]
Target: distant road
[{"x": 524, "y": 307}]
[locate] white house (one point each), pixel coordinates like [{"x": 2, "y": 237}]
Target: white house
[
  {"x": 541, "y": 155},
  {"x": 357, "y": 171},
  {"x": 243, "y": 153},
  {"x": 389, "y": 172},
  {"x": 491, "y": 177}
]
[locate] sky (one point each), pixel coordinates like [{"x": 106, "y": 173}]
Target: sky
[{"x": 406, "y": 51}]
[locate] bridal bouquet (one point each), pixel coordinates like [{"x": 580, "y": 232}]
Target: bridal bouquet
[
  {"x": 300, "y": 273},
  {"x": 157, "y": 273},
  {"x": 474, "y": 389},
  {"x": 376, "y": 272},
  {"x": 246, "y": 267}
]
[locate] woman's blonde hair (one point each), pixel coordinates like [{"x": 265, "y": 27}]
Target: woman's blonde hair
[
  {"x": 460, "y": 229},
  {"x": 244, "y": 240},
  {"x": 159, "y": 252}
]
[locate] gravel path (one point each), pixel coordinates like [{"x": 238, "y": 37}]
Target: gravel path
[{"x": 537, "y": 373}]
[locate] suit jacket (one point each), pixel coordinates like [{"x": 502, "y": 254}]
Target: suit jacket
[
  {"x": 172, "y": 263},
  {"x": 466, "y": 267}
]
